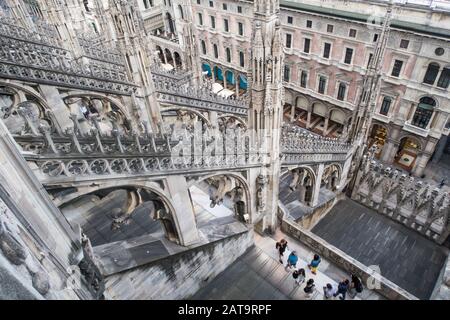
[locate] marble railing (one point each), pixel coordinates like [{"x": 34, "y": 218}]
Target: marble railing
[
  {"x": 30, "y": 56},
  {"x": 302, "y": 146},
  {"x": 407, "y": 200},
  {"x": 201, "y": 98}
]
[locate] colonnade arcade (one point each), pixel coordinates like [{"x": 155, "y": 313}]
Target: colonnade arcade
[
  {"x": 171, "y": 57},
  {"x": 317, "y": 116},
  {"x": 228, "y": 79}
]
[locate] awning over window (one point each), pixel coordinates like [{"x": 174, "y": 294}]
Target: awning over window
[
  {"x": 243, "y": 82},
  {"x": 206, "y": 67}
]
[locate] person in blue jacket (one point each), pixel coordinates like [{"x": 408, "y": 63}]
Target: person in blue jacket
[{"x": 292, "y": 260}]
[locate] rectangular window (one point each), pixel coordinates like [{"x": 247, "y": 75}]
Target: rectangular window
[
  {"x": 225, "y": 25},
  {"x": 330, "y": 28},
  {"x": 290, "y": 20},
  {"x": 211, "y": 4},
  {"x": 341, "y": 91},
  {"x": 326, "y": 50},
  {"x": 397, "y": 68},
  {"x": 213, "y": 22},
  {"x": 352, "y": 33},
  {"x": 375, "y": 37},
  {"x": 348, "y": 55},
  {"x": 288, "y": 40},
  {"x": 241, "y": 28},
  {"x": 224, "y": 6},
  {"x": 444, "y": 79},
  {"x": 200, "y": 19},
  {"x": 303, "y": 79},
  {"x": 241, "y": 59},
  {"x": 306, "y": 45},
  {"x": 199, "y": 1},
  {"x": 322, "y": 84},
  {"x": 239, "y": 9},
  {"x": 309, "y": 23},
  {"x": 404, "y": 44},
  {"x": 287, "y": 73},
  {"x": 385, "y": 105}
]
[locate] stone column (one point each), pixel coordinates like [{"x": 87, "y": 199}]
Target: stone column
[
  {"x": 292, "y": 113},
  {"x": 58, "y": 107},
  {"x": 440, "y": 149},
  {"x": 301, "y": 193},
  {"x": 388, "y": 152},
  {"x": 325, "y": 126},
  {"x": 236, "y": 79},
  {"x": 315, "y": 196},
  {"x": 420, "y": 164},
  {"x": 308, "y": 120},
  {"x": 184, "y": 215},
  {"x": 224, "y": 74}
]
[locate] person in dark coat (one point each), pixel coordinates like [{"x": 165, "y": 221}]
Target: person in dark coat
[{"x": 281, "y": 247}]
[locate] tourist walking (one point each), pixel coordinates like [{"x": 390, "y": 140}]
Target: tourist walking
[
  {"x": 329, "y": 290},
  {"x": 314, "y": 263},
  {"x": 292, "y": 260},
  {"x": 281, "y": 247},
  {"x": 342, "y": 289},
  {"x": 309, "y": 288},
  {"x": 299, "y": 276},
  {"x": 355, "y": 286}
]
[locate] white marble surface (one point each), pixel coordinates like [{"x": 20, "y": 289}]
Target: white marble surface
[{"x": 200, "y": 198}]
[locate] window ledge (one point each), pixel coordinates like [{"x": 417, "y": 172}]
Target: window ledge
[{"x": 416, "y": 130}]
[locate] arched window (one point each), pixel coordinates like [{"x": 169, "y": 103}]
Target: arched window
[
  {"x": 180, "y": 10},
  {"x": 170, "y": 22},
  {"x": 228, "y": 51},
  {"x": 216, "y": 51},
  {"x": 241, "y": 59},
  {"x": 423, "y": 113},
  {"x": 444, "y": 79},
  {"x": 203, "y": 47},
  {"x": 431, "y": 74}
]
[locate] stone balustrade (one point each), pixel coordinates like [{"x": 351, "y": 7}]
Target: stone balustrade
[
  {"x": 32, "y": 56},
  {"x": 200, "y": 98},
  {"x": 298, "y": 141},
  {"x": 405, "y": 199}
]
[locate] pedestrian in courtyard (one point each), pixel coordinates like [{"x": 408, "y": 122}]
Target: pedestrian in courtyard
[
  {"x": 281, "y": 247},
  {"x": 342, "y": 289},
  {"x": 292, "y": 260},
  {"x": 309, "y": 286},
  {"x": 329, "y": 290},
  {"x": 442, "y": 184},
  {"x": 355, "y": 286},
  {"x": 299, "y": 276},
  {"x": 314, "y": 263}
]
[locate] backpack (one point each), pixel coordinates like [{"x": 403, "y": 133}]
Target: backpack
[{"x": 342, "y": 287}]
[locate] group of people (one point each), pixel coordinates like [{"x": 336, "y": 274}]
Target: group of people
[{"x": 352, "y": 288}]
